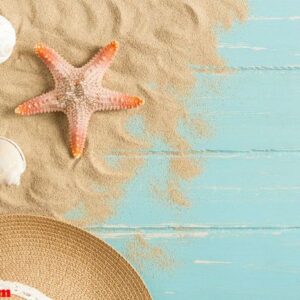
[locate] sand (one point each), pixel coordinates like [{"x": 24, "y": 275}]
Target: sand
[
  {"x": 144, "y": 255},
  {"x": 159, "y": 41}
]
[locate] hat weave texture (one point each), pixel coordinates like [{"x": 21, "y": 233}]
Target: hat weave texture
[{"x": 64, "y": 262}]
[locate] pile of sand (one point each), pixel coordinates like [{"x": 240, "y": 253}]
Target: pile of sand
[
  {"x": 143, "y": 254},
  {"x": 159, "y": 41}
]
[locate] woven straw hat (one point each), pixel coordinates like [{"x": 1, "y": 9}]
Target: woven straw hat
[{"x": 59, "y": 261}]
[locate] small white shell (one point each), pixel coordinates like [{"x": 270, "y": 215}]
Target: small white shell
[
  {"x": 12, "y": 162},
  {"x": 7, "y": 39}
]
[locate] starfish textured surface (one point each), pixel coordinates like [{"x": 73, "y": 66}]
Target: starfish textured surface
[{"x": 78, "y": 92}]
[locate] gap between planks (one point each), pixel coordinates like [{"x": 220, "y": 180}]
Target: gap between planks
[
  {"x": 202, "y": 151},
  {"x": 179, "y": 231},
  {"x": 219, "y": 70},
  {"x": 187, "y": 227}
]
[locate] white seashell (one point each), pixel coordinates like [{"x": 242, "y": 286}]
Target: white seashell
[
  {"x": 12, "y": 162},
  {"x": 7, "y": 39}
]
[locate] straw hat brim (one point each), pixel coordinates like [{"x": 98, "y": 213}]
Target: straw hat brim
[{"x": 63, "y": 261}]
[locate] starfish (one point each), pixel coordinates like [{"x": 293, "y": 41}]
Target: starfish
[{"x": 78, "y": 92}]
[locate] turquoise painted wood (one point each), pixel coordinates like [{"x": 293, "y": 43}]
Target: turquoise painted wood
[
  {"x": 228, "y": 264},
  {"x": 241, "y": 238},
  {"x": 235, "y": 189}
]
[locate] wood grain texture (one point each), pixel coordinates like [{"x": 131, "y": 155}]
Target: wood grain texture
[
  {"x": 240, "y": 239},
  {"x": 224, "y": 264},
  {"x": 239, "y": 189}
]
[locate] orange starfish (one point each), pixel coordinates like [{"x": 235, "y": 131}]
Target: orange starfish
[{"x": 78, "y": 92}]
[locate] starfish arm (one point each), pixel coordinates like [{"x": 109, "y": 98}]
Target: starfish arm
[
  {"x": 97, "y": 66},
  {"x": 41, "y": 104},
  {"x": 56, "y": 64},
  {"x": 78, "y": 126},
  {"x": 111, "y": 100}
]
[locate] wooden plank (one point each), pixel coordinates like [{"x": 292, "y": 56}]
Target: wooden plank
[
  {"x": 239, "y": 189},
  {"x": 223, "y": 264},
  {"x": 253, "y": 44},
  {"x": 247, "y": 110},
  {"x": 268, "y": 38},
  {"x": 243, "y": 111}
]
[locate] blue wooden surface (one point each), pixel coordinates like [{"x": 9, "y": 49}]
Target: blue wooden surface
[{"x": 241, "y": 238}]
